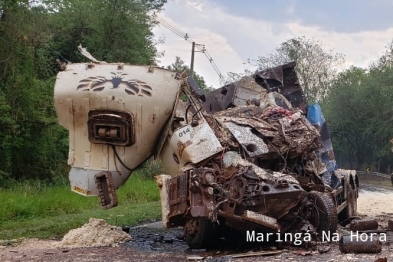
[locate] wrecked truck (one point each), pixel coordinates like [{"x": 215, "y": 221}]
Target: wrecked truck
[{"x": 251, "y": 155}]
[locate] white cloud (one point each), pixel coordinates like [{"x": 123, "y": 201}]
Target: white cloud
[
  {"x": 196, "y": 5},
  {"x": 360, "y": 48},
  {"x": 231, "y": 39}
]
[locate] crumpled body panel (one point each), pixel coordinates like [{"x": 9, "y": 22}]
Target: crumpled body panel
[{"x": 267, "y": 161}]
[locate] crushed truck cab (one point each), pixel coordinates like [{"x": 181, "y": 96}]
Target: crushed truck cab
[{"x": 251, "y": 155}]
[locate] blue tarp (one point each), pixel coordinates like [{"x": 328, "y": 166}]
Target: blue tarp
[{"x": 315, "y": 116}]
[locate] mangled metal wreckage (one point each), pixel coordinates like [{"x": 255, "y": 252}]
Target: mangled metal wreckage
[{"x": 251, "y": 155}]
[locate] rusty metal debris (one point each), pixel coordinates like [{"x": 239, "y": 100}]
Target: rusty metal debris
[
  {"x": 364, "y": 224},
  {"x": 350, "y": 244},
  {"x": 106, "y": 190},
  {"x": 270, "y": 173},
  {"x": 280, "y": 79}
]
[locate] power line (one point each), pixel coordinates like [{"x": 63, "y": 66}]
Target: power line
[
  {"x": 185, "y": 36},
  {"x": 174, "y": 29},
  {"x": 208, "y": 56},
  {"x": 171, "y": 27}
]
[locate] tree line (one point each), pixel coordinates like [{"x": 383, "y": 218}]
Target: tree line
[
  {"x": 359, "y": 112},
  {"x": 34, "y": 34}
]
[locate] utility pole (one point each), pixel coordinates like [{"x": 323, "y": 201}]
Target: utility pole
[
  {"x": 192, "y": 59},
  {"x": 192, "y": 56}
]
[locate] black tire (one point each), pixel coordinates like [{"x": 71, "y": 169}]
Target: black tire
[
  {"x": 205, "y": 235},
  {"x": 323, "y": 213}
]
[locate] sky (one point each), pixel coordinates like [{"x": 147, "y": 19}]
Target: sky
[{"x": 235, "y": 32}]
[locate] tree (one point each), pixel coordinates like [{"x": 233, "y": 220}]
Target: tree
[
  {"x": 345, "y": 124},
  {"x": 386, "y": 60},
  {"x": 360, "y": 117},
  {"x": 234, "y": 77},
  {"x": 316, "y": 67},
  {"x": 28, "y": 132},
  {"x": 179, "y": 66},
  {"x": 112, "y": 30},
  {"x": 32, "y": 35}
]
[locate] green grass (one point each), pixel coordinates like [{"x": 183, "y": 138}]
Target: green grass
[{"x": 28, "y": 210}]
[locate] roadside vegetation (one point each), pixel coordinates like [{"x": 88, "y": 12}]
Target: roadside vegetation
[{"x": 32, "y": 209}]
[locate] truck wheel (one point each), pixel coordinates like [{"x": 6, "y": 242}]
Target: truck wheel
[
  {"x": 321, "y": 212},
  {"x": 200, "y": 233}
]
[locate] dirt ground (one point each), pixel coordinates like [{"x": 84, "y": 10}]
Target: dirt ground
[
  {"x": 39, "y": 250},
  {"x": 153, "y": 243}
]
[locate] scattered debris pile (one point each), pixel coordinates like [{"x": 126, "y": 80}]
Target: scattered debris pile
[{"x": 96, "y": 233}]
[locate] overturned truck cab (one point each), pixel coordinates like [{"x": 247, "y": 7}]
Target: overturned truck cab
[{"x": 251, "y": 155}]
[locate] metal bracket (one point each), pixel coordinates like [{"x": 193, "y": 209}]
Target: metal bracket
[{"x": 106, "y": 189}]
